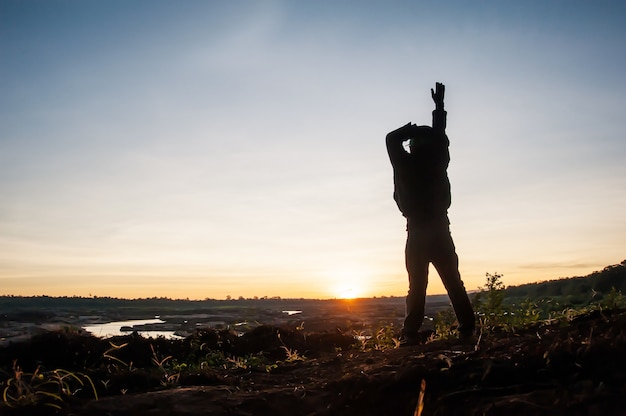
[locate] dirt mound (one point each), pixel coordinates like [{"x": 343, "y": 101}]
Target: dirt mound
[{"x": 563, "y": 368}]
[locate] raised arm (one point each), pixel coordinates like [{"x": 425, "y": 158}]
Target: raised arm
[{"x": 439, "y": 115}]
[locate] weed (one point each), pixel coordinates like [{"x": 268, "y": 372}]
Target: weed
[
  {"x": 214, "y": 359},
  {"x": 382, "y": 339},
  {"x": 116, "y": 361},
  {"x": 385, "y": 338},
  {"x": 614, "y": 299},
  {"x": 251, "y": 361},
  {"x": 169, "y": 378},
  {"x": 292, "y": 354},
  {"x": 488, "y": 301},
  {"x": 47, "y": 389},
  {"x": 443, "y": 322}
]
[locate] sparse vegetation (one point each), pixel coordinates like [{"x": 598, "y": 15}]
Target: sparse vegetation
[
  {"x": 352, "y": 380},
  {"x": 444, "y": 322},
  {"x": 47, "y": 389},
  {"x": 381, "y": 338},
  {"x": 488, "y": 302}
]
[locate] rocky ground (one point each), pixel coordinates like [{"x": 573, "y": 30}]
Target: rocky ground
[{"x": 574, "y": 367}]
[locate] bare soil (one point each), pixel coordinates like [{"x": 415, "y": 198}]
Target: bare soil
[{"x": 572, "y": 368}]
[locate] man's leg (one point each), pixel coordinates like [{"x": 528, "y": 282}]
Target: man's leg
[
  {"x": 446, "y": 262},
  {"x": 416, "y": 260}
]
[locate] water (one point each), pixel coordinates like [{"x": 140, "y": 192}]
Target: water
[
  {"x": 112, "y": 329},
  {"x": 292, "y": 312}
]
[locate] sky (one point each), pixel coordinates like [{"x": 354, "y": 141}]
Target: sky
[{"x": 204, "y": 149}]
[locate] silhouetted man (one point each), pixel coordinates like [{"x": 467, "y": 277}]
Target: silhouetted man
[{"x": 422, "y": 192}]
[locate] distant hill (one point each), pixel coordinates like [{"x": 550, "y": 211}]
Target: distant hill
[{"x": 575, "y": 290}]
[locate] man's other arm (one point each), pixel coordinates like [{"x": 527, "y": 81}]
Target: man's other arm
[{"x": 394, "y": 142}]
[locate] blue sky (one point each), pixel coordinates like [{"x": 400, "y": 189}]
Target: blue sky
[{"x": 204, "y": 149}]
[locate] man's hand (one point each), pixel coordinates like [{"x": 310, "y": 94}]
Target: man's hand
[{"x": 438, "y": 94}]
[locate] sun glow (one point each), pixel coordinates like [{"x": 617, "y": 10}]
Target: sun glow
[
  {"x": 348, "y": 283},
  {"x": 347, "y": 293}
]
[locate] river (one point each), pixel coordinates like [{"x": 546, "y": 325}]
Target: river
[{"x": 112, "y": 329}]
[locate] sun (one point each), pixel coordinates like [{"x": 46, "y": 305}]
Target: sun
[
  {"x": 348, "y": 282},
  {"x": 347, "y": 293}
]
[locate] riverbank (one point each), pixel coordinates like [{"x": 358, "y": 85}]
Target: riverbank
[{"x": 21, "y": 318}]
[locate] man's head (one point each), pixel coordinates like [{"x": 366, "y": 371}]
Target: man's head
[{"x": 421, "y": 136}]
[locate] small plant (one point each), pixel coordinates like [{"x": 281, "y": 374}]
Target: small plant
[
  {"x": 292, "y": 355},
  {"x": 48, "y": 389},
  {"x": 237, "y": 362},
  {"x": 382, "y": 339},
  {"x": 488, "y": 303},
  {"x": 257, "y": 361},
  {"x": 116, "y": 361},
  {"x": 386, "y": 339},
  {"x": 527, "y": 313},
  {"x": 170, "y": 378},
  {"x": 217, "y": 359},
  {"x": 613, "y": 300},
  {"x": 214, "y": 359},
  {"x": 362, "y": 338},
  {"x": 443, "y": 322}
]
